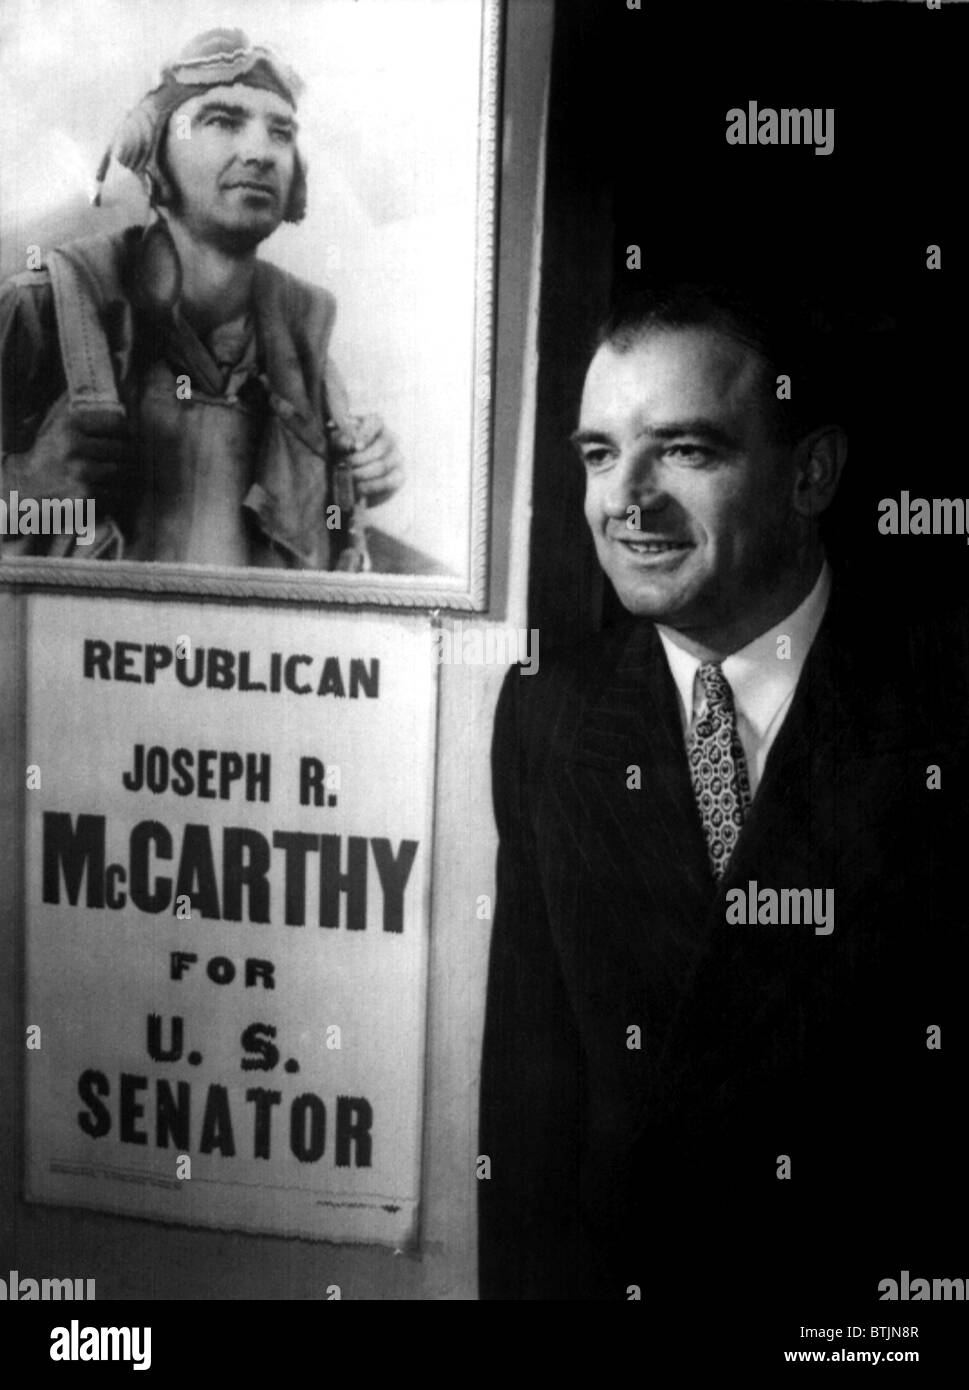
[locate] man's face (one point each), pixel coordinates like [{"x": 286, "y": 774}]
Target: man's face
[
  {"x": 234, "y": 171},
  {"x": 678, "y": 429}
]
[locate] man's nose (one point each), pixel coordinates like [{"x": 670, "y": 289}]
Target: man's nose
[
  {"x": 635, "y": 481},
  {"x": 256, "y": 146}
]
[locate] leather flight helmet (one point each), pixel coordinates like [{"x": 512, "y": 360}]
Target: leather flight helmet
[{"x": 217, "y": 58}]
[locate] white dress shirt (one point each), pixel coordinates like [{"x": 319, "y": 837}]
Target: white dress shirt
[{"x": 761, "y": 677}]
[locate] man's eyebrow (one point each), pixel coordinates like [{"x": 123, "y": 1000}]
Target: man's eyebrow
[
  {"x": 702, "y": 429},
  {"x": 222, "y": 108},
  {"x": 580, "y": 437},
  {"x": 676, "y": 429}
]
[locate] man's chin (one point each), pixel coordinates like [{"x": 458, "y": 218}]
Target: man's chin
[
  {"x": 658, "y": 602},
  {"x": 239, "y": 238}
]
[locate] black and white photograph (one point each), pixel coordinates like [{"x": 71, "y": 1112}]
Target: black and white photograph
[
  {"x": 486, "y": 668},
  {"x": 247, "y": 302}
]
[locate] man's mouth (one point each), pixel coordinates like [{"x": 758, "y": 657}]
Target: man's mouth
[
  {"x": 653, "y": 547},
  {"x": 252, "y": 186}
]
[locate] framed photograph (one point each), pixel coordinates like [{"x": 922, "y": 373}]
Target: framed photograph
[{"x": 247, "y": 298}]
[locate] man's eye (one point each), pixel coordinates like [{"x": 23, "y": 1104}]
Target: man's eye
[
  {"x": 691, "y": 453},
  {"x": 596, "y": 458},
  {"x": 283, "y": 137},
  {"x": 226, "y": 122}
]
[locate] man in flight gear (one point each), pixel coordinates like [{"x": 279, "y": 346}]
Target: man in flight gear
[{"x": 178, "y": 380}]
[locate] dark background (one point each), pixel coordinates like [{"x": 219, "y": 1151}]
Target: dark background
[{"x": 637, "y": 154}]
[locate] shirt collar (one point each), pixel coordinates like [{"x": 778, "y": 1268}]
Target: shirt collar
[
  {"x": 760, "y": 677},
  {"x": 221, "y": 361}
]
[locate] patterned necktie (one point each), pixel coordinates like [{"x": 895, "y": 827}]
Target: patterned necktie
[{"x": 718, "y": 768}]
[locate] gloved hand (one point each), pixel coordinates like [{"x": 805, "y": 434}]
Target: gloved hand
[
  {"x": 103, "y": 460},
  {"x": 372, "y": 453},
  {"x": 70, "y": 460}
]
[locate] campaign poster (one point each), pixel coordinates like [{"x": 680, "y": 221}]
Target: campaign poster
[{"x": 227, "y": 883}]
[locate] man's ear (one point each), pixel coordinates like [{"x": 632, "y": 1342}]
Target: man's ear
[
  {"x": 819, "y": 458},
  {"x": 162, "y": 191},
  {"x": 296, "y": 203}
]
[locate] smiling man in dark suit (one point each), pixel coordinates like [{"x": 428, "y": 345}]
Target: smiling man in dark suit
[{"x": 727, "y": 906}]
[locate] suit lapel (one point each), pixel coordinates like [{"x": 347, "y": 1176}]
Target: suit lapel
[
  {"x": 841, "y": 734},
  {"x": 785, "y": 827},
  {"x": 648, "y": 842}
]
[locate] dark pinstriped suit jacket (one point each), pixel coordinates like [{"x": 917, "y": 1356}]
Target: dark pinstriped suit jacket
[{"x": 614, "y": 1166}]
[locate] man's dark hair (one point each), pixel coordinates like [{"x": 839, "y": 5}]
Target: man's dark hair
[{"x": 793, "y": 340}]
